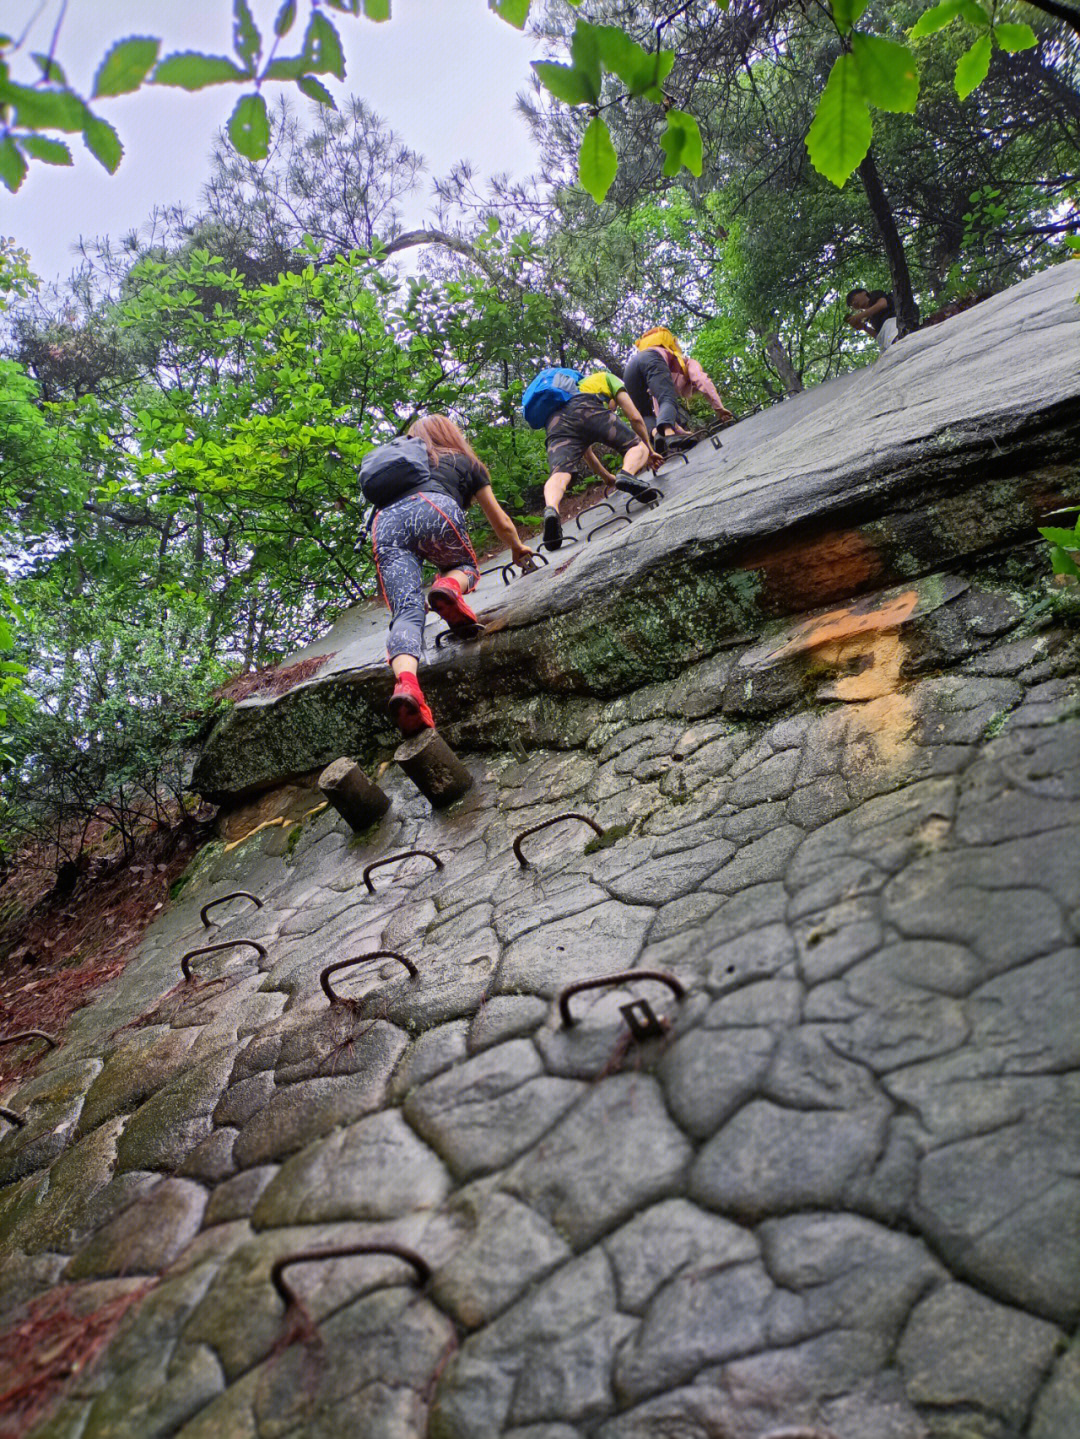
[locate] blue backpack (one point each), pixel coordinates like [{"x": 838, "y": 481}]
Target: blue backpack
[{"x": 548, "y": 392}]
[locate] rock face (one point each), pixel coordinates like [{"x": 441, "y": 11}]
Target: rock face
[{"x": 834, "y": 1189}]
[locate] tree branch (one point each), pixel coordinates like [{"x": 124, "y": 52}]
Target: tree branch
[{"x": 572, "y": 331}]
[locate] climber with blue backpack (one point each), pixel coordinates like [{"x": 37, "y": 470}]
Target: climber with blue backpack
[
  {"x": 421, "y": 485},
  {"x": 574, "y": 421}
]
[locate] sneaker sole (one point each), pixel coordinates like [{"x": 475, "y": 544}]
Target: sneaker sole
[
  {"x": 405, "y": 712},
  {"x": 552, "y": 532},
  {"x": 456, "y": 614}
]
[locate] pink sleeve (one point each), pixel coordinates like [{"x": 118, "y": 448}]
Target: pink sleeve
[{"x": 704, "y": 386}]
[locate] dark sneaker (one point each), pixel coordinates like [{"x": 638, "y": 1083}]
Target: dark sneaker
[
  {"x": 638, "y": 490},
  {"x": 552, "y": 528},
  {"x": 408, "y": 708},
  {"x": 446, "y": 600}
]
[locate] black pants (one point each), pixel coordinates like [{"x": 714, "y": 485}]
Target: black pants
[{"x": 648, "y": 378}]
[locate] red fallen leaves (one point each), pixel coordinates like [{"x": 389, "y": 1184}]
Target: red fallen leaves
[{"x": 56, "y": 1338}]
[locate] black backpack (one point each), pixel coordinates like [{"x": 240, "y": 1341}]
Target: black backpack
[{"x": 394, "y": 470}]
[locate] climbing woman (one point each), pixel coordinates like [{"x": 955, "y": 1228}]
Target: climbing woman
[
  {"x": 658, "y": 376},
  {"x": 427, "y": 522}
]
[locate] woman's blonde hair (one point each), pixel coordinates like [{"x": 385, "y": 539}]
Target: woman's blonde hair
[{"x": 442, "y": 437}]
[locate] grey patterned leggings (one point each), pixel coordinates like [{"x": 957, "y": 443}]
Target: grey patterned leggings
[{"x": 417, "y": 528}]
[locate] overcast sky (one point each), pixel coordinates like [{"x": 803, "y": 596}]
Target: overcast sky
[{"x": 444, "y": 73}]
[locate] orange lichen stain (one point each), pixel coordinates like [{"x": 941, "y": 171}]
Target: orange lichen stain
[
  {"x": 837, "y": 626},
  {"x": 866, "y": 674},
  {"x": 812, "y": 570}
]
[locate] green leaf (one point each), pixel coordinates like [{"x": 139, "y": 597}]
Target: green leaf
[
  {"x": 597, "y": 162},
  {"x": 641, "y": 71},
  {"x": 191, "y": 71},
  {"x": 12, "y": 164},
  {"x": 47, "y": 109},
  {"x": 1072, "y": 242},
  {"x": 315, "y": 90},
  {"x": 50, "y": 69},
  {"x": 322, "y": 47},
  {"x": 585, "y": 55},
  {"x": 842, "y": 130},
  {"x": 126, "y": 66},
  {"x": 103, "y": 142},
  {"x": 286, "y": 18},
  {"x": 974, "y": 13},
  {"x": 377, "y": 10},
  {"x": 1015, "y": 37},
  {"x": 936, "y": 18},
  {"x": 681, "y": 143},
  {"x": 888, "y": 73},
  {"x": 846, "y": 12},
  {"x": 249, "y": 127},
  {"x": 247, "y": 42},
  {"x": 514, "y": 12},
  {"x": 53, "y": 152},
  {"x": 1063, "y": 564},
  {"x": 1067, "y": 539},
  {"x": 564, "y": 82},
  {"x": 287, "y": 67},
  {"x": 973, "y": 67}
]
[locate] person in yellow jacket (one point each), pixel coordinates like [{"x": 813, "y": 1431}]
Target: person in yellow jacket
[{"x": 658, "y": 376}]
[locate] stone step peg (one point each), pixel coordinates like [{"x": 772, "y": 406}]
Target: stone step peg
[
  {"x": 434, "y": 768},
  {"x": 359, "y": 802}
]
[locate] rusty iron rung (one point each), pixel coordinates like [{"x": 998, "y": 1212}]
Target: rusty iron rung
[
  {"x": 655, "y": 495},
  {"x": 606, "y": 981},
  {"x": 544, "y": 823},
  {"x": 606, "y": 525},
  {"x": 600, "y": 505},
  {"x": 12, "y": 1118},
  {"x": 531, "y": 563},
  {"x": 185, "y": 965},
  {"x": 324, "y": 977},
  {"x": 392, "y": 858},
  {"x": 221, "y": 899},
  {"x": 342, "y": 1251},
  {"x": 30, "y": 1034},
  {"x": 566, "y": 540}
]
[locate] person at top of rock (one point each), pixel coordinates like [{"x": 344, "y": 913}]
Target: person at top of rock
[
  {"x": 588, "y": 419},
  {"x": 429, "y": 524},
  {"x": 873, "y": 312},
  {"x": 658, "y": 376}
]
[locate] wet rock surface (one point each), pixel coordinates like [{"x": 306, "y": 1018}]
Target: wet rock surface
[
  {"x": 954, "y": 442},
  {"x": 834, "y": 1189}
]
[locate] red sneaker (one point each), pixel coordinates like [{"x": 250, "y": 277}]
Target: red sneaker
[
  {"x": 408, "y": 708},
  {"x": 445, "y": 599}
]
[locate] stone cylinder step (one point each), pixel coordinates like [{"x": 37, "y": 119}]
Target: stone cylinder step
[
  {"x": 359, "y": 802},
  {"x": 434, "y": 768}
]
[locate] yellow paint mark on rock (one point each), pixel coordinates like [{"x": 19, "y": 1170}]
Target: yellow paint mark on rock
[
  {"x": 288, "y": 804},
  {"x": 866, "y": 671},
  {"x": 844, "y": 624}
]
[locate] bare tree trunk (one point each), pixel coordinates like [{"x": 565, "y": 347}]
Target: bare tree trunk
[
  {"x": 907, "y": 312},
  {"x": 779, "y": 359}
]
